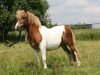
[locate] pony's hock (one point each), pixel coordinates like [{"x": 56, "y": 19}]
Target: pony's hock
[{"x": 42, "y": 38}]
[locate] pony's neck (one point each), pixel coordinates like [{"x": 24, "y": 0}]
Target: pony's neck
[
  {"x": 33, "y": 25},
  {"x": 34, "y": 35},
  {"x": 32, "y": 30},
  {"x": 33, "y": 20}
]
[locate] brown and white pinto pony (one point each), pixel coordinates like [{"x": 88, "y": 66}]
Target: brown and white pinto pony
[{"x": 42, "y": 38}]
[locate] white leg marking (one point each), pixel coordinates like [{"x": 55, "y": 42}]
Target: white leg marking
[
  {"x": 78, "y": 62},
  {"x": 37, "y": 56},
  {"x": 43, "y": 51}
]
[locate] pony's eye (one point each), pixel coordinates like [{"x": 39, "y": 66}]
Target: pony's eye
[{"x": 24, "y": 17}]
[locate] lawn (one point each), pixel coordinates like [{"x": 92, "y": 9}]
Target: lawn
[{"x": 20, "y": 60}]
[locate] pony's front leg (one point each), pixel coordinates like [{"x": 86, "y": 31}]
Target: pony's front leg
[
  {"x": 37, "y": 56},
  {"x": 43, "y": 51}
]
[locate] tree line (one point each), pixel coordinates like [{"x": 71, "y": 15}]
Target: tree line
[{"x": 81, "y": 26}]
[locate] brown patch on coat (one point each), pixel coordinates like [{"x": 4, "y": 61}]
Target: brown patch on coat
[
  {"x": 34, "y": 36},
  {"x": 31, "y": 24},
  {"x": 67, "y": 37}
]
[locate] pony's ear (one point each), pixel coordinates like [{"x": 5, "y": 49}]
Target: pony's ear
[{"x": 25, "y": 10}]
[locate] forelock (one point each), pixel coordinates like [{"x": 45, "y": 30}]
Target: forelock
[{"x": 19, "y": 13}]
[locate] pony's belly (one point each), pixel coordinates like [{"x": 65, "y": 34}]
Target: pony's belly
[
  {"x": 53, "y": 44},
  {"x": 51, "y": 47},
  {"x": 52, "y": 38}
]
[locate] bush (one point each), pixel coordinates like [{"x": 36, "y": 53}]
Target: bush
[{"x": 87, "y": 34}]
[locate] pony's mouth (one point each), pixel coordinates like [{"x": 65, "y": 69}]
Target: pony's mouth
[{"x": 18, "y": 26}]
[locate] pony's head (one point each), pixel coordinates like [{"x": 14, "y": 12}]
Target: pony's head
[
  {"x": 25, "y": 18},
  {"x": 22, "y": 18}
]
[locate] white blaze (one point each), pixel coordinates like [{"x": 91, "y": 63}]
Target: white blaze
[{"x": 16, "y": 25}]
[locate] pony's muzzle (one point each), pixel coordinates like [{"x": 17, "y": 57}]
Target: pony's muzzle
[{"x": 17, "y": 26}]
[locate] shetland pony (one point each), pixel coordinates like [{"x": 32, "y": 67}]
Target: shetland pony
[{"x": 42, "y": 38}]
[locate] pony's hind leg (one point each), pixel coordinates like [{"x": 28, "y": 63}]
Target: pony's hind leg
[
  {"x": 69, "y": 39},
  {"x": 75, "y": 54},
  {"x": 67, "y": 51}
]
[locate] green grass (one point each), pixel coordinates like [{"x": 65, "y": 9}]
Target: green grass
[{"x": 20, "y": 60}]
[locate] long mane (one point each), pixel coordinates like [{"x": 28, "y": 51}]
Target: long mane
[{"x": 32, "y": 19}]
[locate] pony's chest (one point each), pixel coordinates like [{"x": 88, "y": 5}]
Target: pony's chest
[{"x": 52, "y": 37}]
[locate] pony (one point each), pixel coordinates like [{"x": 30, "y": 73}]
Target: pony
[{"x": 45, "y": 39}]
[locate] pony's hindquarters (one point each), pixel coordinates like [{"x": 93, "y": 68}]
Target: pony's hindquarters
[{"x": 69, "y": 39}]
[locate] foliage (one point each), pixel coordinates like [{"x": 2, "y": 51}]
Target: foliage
[
  {"x": 9, "y": 7},
  {"x": 87, "y": 34},
  {"x": 80, "y": 34},
  {"x": 38, "y": 7},
  {"x": 81, "y": 26}
]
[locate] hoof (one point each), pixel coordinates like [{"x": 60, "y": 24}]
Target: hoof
[{"x": 78, "y": 64}]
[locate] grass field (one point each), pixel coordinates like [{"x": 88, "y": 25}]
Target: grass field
[{"x": 20, "y": 60}]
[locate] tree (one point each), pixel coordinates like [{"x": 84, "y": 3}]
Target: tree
[
  {"x": 9, "y": 7},
  {"x": 38, "y": 7},
  {"x": 6, "y": 17}
]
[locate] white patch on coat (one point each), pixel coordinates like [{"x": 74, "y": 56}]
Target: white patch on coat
[{"x": 51, "y": 38}]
